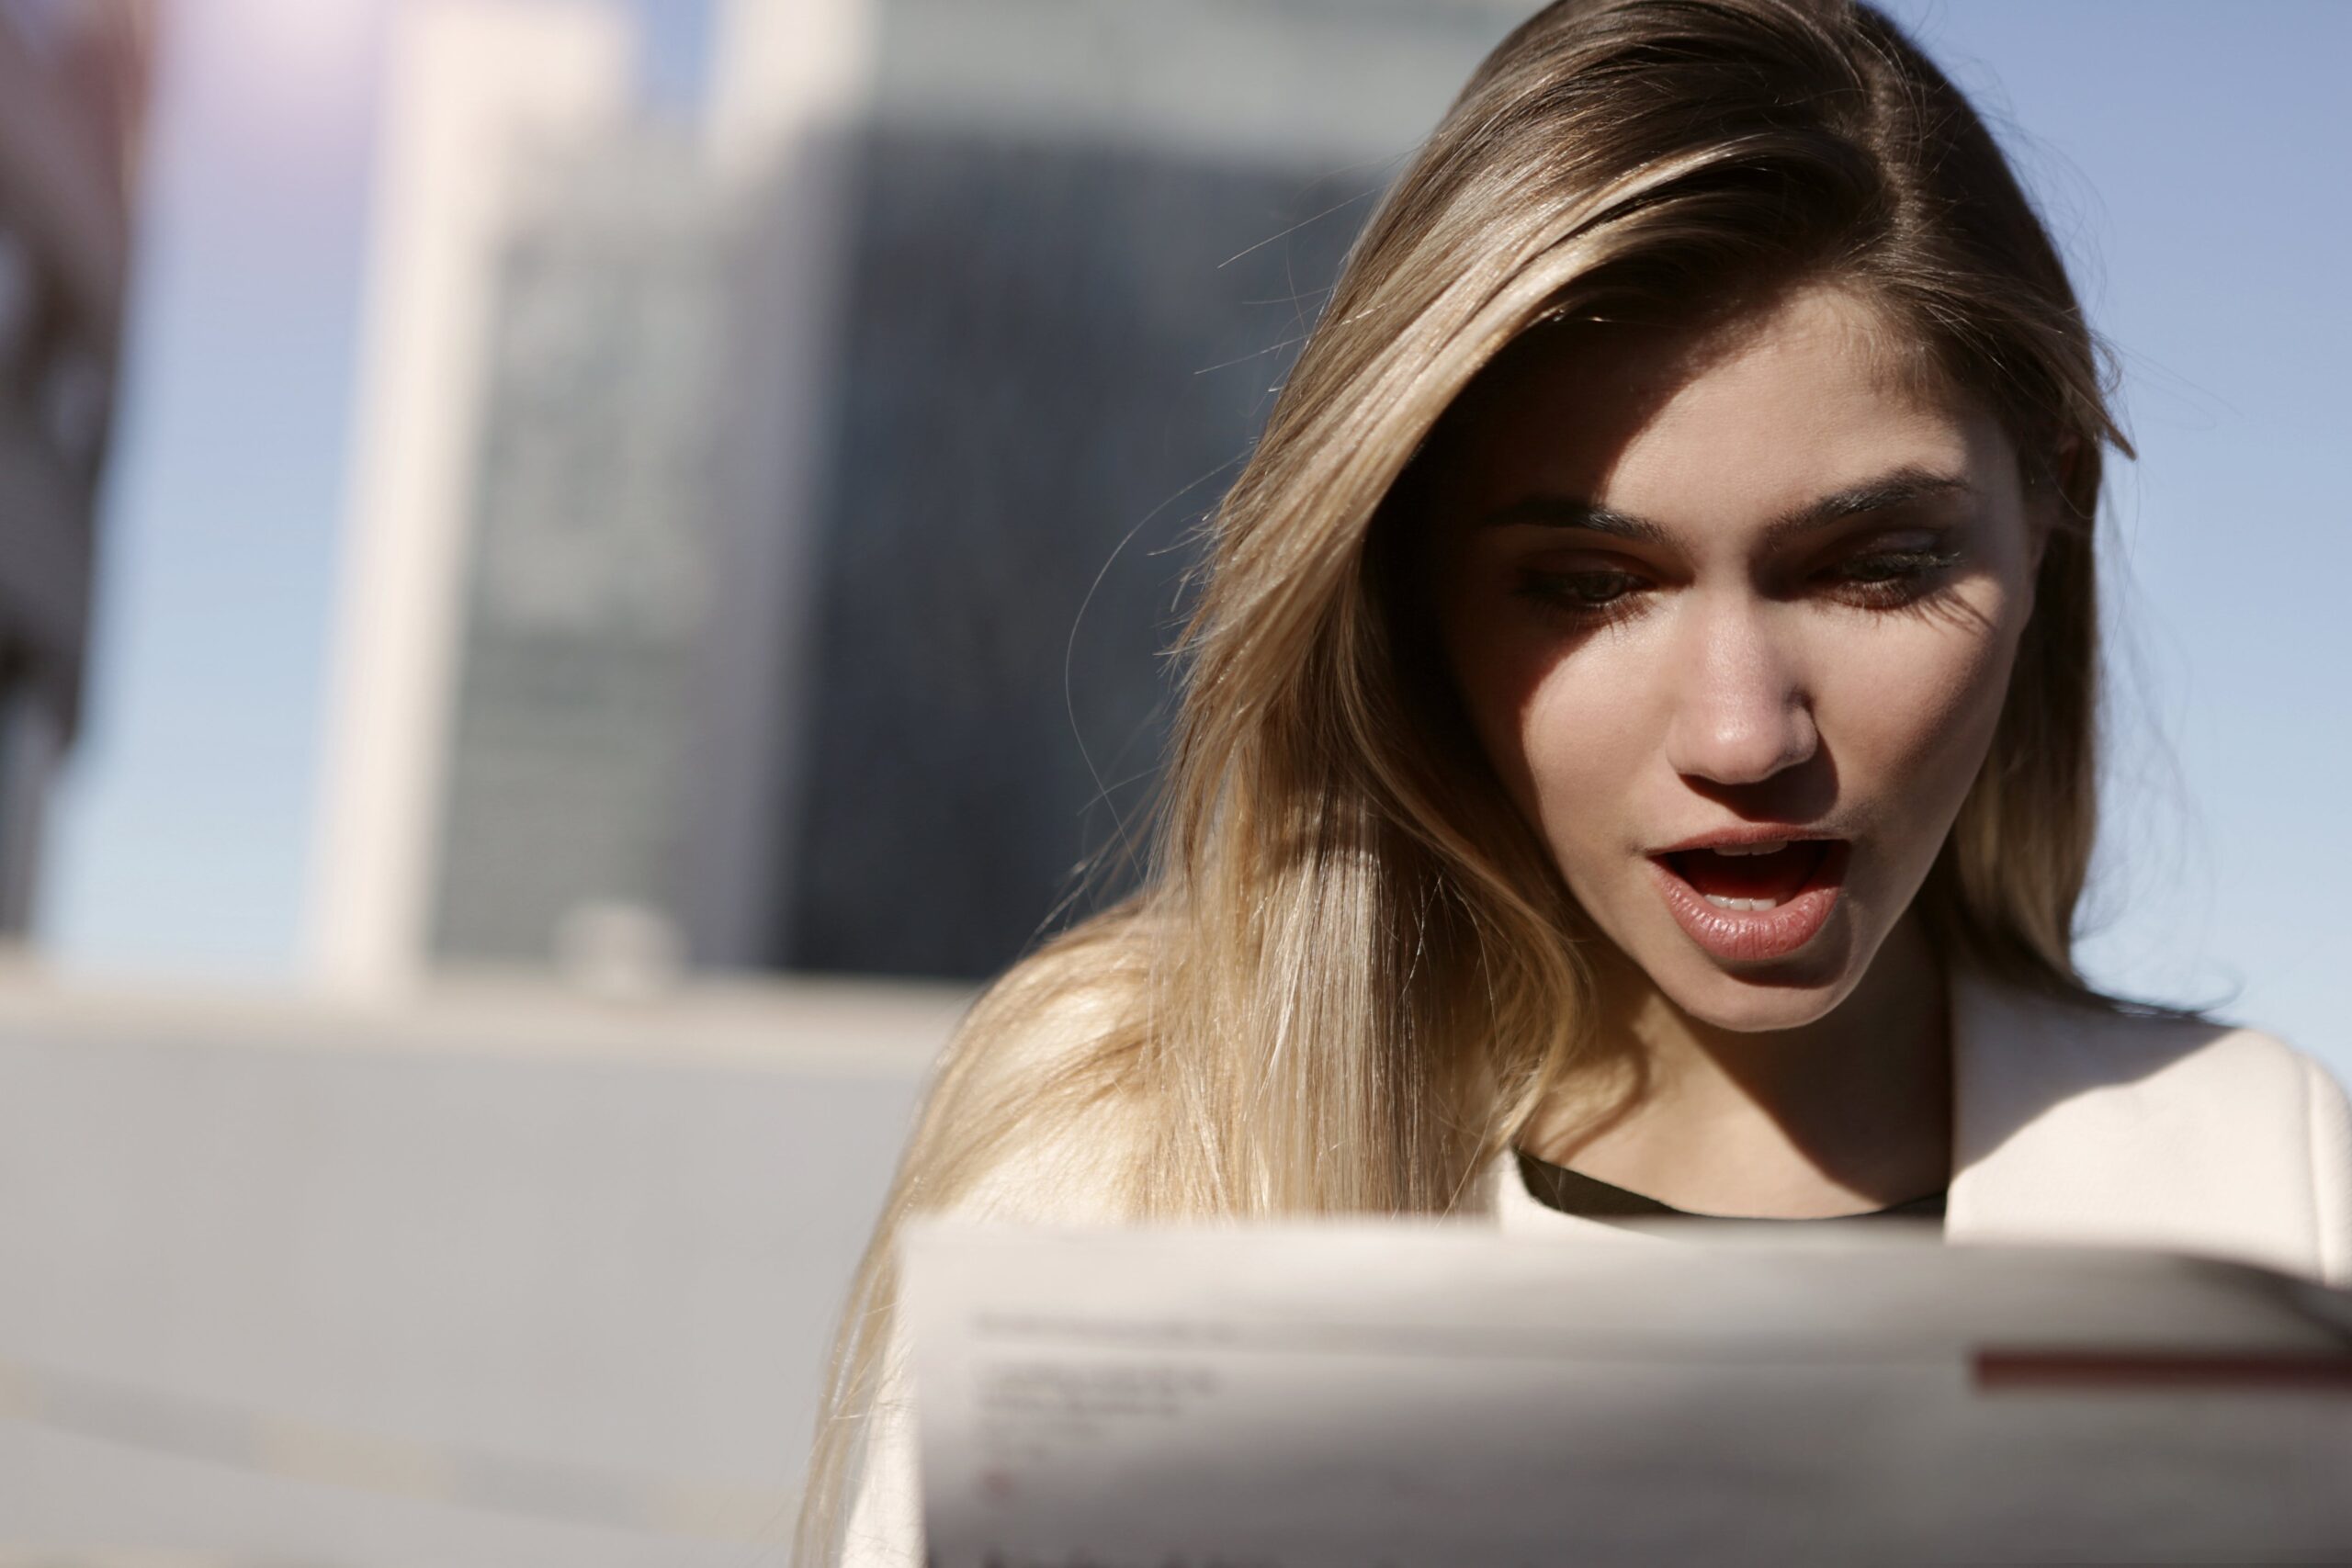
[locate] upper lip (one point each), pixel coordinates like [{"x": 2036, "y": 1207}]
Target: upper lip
[{"x": 1746, "y": 833}]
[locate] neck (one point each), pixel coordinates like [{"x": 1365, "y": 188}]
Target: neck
[{"x": 1849, "y": 1113}]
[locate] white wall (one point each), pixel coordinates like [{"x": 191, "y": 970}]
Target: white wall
[{"x": 508, "y": 1280}]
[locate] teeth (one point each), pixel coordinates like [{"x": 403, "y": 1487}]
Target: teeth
[
  {"x": 1771, "y": 847},
  {"x": 1723, "y": 903}
]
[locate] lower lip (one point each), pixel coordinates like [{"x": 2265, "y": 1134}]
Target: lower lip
[{"x": 1748, "y": 936}]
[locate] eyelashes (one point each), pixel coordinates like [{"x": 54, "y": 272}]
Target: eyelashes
[
  {"x": 1877, "y": 579},
  {"x": 1578, "y": 591},
  {"x": 1586, "y": 600},
  {"x": 1893, "y": 579}
]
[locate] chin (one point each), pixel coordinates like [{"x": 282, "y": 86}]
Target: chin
[
  {"x": 1750, "y": 1006},
  {"x": 1787, "y": 995}
]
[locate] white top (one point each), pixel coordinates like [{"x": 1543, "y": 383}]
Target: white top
[{"x": 2068, "y": 1127}]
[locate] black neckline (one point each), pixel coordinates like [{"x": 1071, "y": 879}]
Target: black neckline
[{"x": 1573, "y": 1192}]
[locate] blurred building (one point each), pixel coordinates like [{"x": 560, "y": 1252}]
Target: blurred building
[
  {"x": 586, "y": 577},
  {"x": 764, "y": 542},
  {"x": 1085, "y": 241},
  {"x": 71, "y": 82},
  {"x": 482, "y": 104}
]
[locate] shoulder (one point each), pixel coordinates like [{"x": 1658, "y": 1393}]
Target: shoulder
[
  {"x": 2229, "y": 1089},
  {"x": 2159, "y": 1129},
  {"x": 1037, "y": 1112},
  {"x": 1032, "y": 1117},
  {"x": 2050, "y": 1046}
]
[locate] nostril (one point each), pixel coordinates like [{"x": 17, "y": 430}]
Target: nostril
[
  {"x": 1741, "y": 698},
  {"x": 1746, "y": 747}
]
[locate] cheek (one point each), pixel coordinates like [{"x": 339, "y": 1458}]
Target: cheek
[
  {"x": 1589, "y": 731},
  {"x": 1571, "y": 733},
  {"x": 1493, "y": 674},
  {"x": 1909, "y": 719}
]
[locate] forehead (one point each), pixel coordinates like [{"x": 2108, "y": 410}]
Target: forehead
[{"x": 1745, "y": 418}]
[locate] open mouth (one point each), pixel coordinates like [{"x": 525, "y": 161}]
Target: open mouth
[
  {"x": 1757, "y": 876},
  {"x": 1754, "y": 901}
]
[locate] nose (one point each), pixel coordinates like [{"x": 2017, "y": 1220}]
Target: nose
[{"x": 1742, "y": 711}]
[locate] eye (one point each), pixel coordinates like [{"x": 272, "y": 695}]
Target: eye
[
  {"x": 1892, "y": 576},
  {"x": 1592, "y": 591}
]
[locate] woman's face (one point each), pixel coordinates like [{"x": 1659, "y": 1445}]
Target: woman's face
[{"x": 1733, "y": 614}]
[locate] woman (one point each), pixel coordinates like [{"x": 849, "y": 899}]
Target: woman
[{"x": 1638, "y": 747}]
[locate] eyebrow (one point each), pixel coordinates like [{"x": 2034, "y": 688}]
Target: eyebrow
[{"x": 1896, "y": 487}]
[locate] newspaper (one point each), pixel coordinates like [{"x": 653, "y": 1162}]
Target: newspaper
[{"x": 1430, "y": 1394}]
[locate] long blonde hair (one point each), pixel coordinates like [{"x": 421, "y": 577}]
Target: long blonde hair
[{"x": 1352, "y": 973}]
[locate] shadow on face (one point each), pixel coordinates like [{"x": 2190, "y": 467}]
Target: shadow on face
[{"x": 1697, "y": 594}]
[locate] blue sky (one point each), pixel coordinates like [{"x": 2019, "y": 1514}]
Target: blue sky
[
  {"x": 181, "y": 841},
  {"x": 2190, "y": 157}
]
